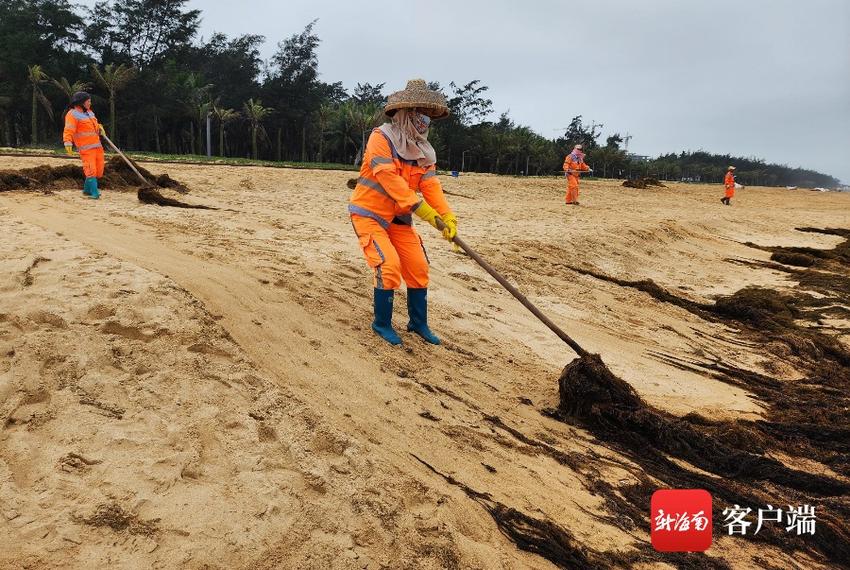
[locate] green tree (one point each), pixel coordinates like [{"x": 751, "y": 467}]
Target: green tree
[
  {"x": 256, "y": 114},
  {"x": 362, "y": 117},
  {"x": 324, "y": 114},
  {"x": 113, "y": 78},
  {"x": 68, "y": 88},
  {"x": 224, "y": 116},
  {"x": 37, "y": 78},
  {"x": 197, "y": 101},
  {"x": 140, "y": 33}
]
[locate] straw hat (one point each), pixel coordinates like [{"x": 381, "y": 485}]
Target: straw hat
[
  {"x": 417, "y": 94},
  {"x": 731, "y": 168}
]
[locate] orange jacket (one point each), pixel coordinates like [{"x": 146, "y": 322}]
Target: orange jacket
[
  {"x": 574, "y": 162},
  {"x": 81, "y": 129},
  {"x": 388, "y": 184},
  {"x": 729, "y": 182}
]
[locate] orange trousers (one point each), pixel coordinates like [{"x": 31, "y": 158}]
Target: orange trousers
[
  {"x": 730, "y": 192},
  {"x": 394, "y": 253},
  {"x": 572, "y": 188},
  {"x": 92, "y": 162}
]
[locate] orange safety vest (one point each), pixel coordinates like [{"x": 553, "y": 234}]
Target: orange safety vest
[
  {"x": 387, "y": 188},
  {"x": 730, "y": 181},
  {"x": 82, "y": 129},
  {"x": 574, "y": 162}
]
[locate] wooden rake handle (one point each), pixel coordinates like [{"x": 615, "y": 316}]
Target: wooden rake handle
[
  {"x": 514, "y": 291},
  {"x": 127, "y": 160}
]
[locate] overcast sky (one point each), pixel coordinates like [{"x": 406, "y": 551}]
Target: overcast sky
[{"x": 766, "y": 78}]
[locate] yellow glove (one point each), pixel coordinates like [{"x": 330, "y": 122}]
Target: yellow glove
[
  {"x": 450, "y": 231},
  {"x": 427, "y": 213},
  {"x": 69, "y": 150},
  {"x": 101, "y": 129}
]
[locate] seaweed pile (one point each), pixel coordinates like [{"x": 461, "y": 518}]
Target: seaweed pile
[
  {"x": 117, "y": 176},
  {"x": 806, "y": 420},
  {"x": 643, "y": 183}
]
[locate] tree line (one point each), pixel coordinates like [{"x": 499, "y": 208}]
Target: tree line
[{"x": 155, "y": 84}]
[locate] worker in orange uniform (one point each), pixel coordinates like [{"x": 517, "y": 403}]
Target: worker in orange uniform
[
  {"x": 399, "y": 162},
  {"x": 83, "y": 131},
  {"x": 729, "y": 183},
  {"x": 573, "y": 165}
]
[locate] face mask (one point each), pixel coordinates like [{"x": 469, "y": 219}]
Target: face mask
[{"x": 421, "y": 122}]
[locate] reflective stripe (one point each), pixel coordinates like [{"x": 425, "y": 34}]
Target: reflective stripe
[
  {"x": 379, "y": 276},
  {"x": 429, "y": 174},
  {"x": 374, "y": 186},
  {"x": 69, "y": 144},
  {"x": 82, "y": 116},
  {"x": 361, "y": 211},
  {"x": 86, "y": 134},
  {"x": 90, "y": 146},
  {"x": 380, "y": 160}
]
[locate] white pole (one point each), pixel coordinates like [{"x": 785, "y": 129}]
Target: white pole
[{"x": 209, "y": 137}]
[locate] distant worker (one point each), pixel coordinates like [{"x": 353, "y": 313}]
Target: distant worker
[
  {"x": 573, "y": 165},
  {"x": 83, "y": 131},
  {"x": 729, "y": 183},
  {"x": 398, "y": 162}
]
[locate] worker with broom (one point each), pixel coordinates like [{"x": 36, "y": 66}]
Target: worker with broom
[
  {"x": 573, "y": 165},
  {"x": 398, "y": 162},
  {"x": 82, "y": 130},
  {"x": 729, "y": 183}
]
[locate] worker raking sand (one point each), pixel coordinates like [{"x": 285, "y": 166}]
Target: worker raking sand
[
  {"x": 399, "y": 163},
  {"x": 82, "y": 130}
]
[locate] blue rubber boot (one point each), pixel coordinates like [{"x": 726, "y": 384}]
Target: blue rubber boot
[
  {"x": 93, "y": 191},
  {"x": 417, "y": 309},
  {"x": 383, "y": 323},
  {"x": 87, "y": 187}
]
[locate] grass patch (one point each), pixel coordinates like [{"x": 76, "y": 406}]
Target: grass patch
[{"x": 188, "y": 159}]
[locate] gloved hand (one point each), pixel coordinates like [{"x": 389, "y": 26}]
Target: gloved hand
[
  {"x": 427, "y": 213},
  {"x": 69, "y": 150},
  {"x": 450, "y": 231},
  {"x": 101, "y": 129}
]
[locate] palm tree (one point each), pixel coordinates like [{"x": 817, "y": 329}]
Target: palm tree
[
  {"x": 37, "y": 77},
  {"x": 197, "y": 101},
  {"x": 324, "y": 113},
  {"x": 5, "y": 103},
  {"x": 224, "y": 117},
  {"x": 113, "y": 78},
  {"x": 255, "y": 113},
  {"x": 69, "y": 88},
  {"x": 362, "y": 116}
]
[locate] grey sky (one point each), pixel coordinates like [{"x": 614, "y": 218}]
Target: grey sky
[{"x": 767, "y": 78}]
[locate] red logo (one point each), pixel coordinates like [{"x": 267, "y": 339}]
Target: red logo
[{"x": 681, "y": 520}]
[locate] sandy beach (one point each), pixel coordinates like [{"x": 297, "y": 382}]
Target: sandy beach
[{"x": 201, "y": 388}]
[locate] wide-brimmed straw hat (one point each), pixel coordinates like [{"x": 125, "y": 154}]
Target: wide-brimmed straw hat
[{"x": 417, "y": 95}]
